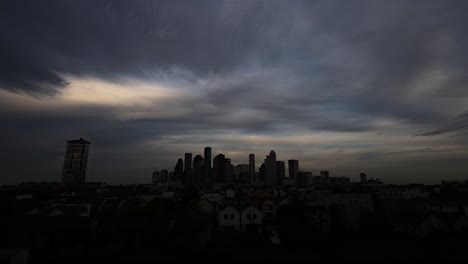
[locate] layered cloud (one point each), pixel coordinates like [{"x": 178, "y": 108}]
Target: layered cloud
[{"x": 376, "y": 86}]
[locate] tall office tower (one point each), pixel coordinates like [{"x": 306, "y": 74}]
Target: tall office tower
[
  {"x": 317, "y": 180},
  {"x": 305, "y": 178},
  {"x": 188, "y": 162},
  {"x": 309, "y": 178},
  {"x": 270, "y": 169},
  {"x": 156, "y": 177},
  {"x": 179, "y": 170},
  {"x": 170, "y": 177},
  {"x": 280, "y": 172},
  {"x": 363, "y": 177},
  {"x": 252, "y": 178},
  {"x": 261, "y": 174},
  {"x": 241, "y": 173},
  {"x": 293, "y": 167},
  {"x": 207, "y": 167},
  {"x": 76, "y": 159},
  {"x": 164, "y": 175},
  {"x": 228, "y": 171},
  {"x": 325, "y": 175},
  {"x": 197, "y": 171},
  {"x": 187, "y": 177},
  {"x": 219, "y": 168}
]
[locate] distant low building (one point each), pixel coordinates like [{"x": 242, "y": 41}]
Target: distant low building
[{"x": 402, "y": 193}]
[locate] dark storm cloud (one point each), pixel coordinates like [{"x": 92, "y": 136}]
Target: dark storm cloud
[
  {"x": 109, "y": 38},
  {"x": 247, "y": 67}
]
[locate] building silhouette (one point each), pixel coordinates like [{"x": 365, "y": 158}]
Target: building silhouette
[
  {"x": 293, "y": 167},
  {"x": 261, "y": 173},
  {"x": 197, "y": 170},
  {"x": 252, "y": 176},
  {"x": 164, "y": 175},
  {"x": 228, "y": 171},
  {"x": 206, "y": 179},
  {"x": 75, "y": 162},
  {"x": 270, "y": 169},
  {"x": 187, "y": 162},
  {"x": 280, "y": 172},
  {"x": 156, "y": 177},
  {"x": 179, "y": 170},
  {"x": 219, "y": 168},
  {"x": 187, "y": 177},
  {"x": 242, "y": 173},
  {"x": 363, "y": 177},
  {"x": 324, "y": 175}
]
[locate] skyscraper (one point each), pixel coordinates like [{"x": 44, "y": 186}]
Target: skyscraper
[
  {"x": 261, "y": 174},
  {"x": 363, "y": 177},
  {"x": 252, "y": 178},
  {"x": 270, "y": 169},
  {"x": 293, "y": 167},
  {"x": 219, "y": 168},
  {"x": 207, "y": 166},
  {"x": 76, "y": 159},
  {"x": 187, "y": 177},
  {"x": 324, "y": 175},
  {"x": 305, "y": 178},
  {"x": 188, "y": 162},
  {"x": 228, "y": 171},
  {"x": 179, "y": 170},
  {"x": 197, "y": 171},
  {"x": 241, "y": 173},
  {"x": 280, "y": 172},
  {"x": 156, "y": 177},
  {"x": 164, "y": 175}
]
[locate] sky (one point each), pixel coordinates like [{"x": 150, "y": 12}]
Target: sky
[{"x": 371, "y": 86}]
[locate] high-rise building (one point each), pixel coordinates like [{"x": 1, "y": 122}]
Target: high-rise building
[
  {"x": 164, "y": 175},
  {"x": 317, "y": 180},
  {"x": 325, "y": 175},
  {"x": 363, "y": 177},
  {"x": 228, "y": 171},
  {"x": 187, "y": 177},
  {"x": 76, "y": 159},
  {"x": 187, "y": 162},
  {"x": 252, "y": 178},
  {"x": 156, "y": 177},
  {"x": 280, "y": 172},
  {"x": 207, "y": 166},
  {"x": 293, "y": 167},
  {"x": 197, "y": 171},
  {"x": 305, "y": 178},
  {"x": 170, "y": 177},
  {"x": 219, "y": 168},
  {"x": 261, "y": 174},
  {"x": 179, "y": 170},
  {"x": 270, "y": 170},
  {"x": 241, "y": 173}
]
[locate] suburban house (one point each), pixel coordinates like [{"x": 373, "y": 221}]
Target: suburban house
[
  {"x": 251, "y": 219},
  {"x": 229, "y": 218}
]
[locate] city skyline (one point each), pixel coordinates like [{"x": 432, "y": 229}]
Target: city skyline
[{"x": 365, "y": 86}]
